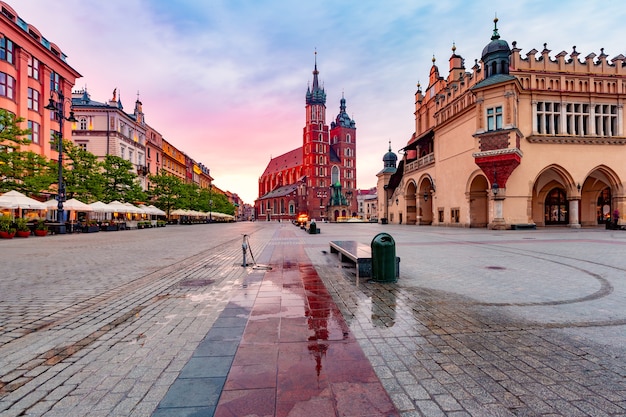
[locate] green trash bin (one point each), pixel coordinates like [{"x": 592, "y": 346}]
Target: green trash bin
[
  {"x": 383, "y": 258},
  {"x": 312, "y": 228}
]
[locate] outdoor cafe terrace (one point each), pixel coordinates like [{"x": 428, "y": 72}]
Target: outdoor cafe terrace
[{"x": 24, "y": 216}]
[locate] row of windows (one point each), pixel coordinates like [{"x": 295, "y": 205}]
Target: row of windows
[
  {"x": 454, "y": 215},
  {"x": 577, "y": 119},
  {"x": 318, "y": 148},
  {"x": 7, "y": 53},
  {"x": 131, "y": 154},
  {"x": 348, "y": 139}
]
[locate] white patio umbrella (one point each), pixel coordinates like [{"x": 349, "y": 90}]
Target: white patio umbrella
[
  {"x": 133, "y": 209},
  {"x": 100, "y": 207},
  {"x": 157, "y": 210},
  {"x": 16, "y": 200},
  {"x": 152, "y": 210},
  {"x": 119, "y": 207},
  {"x": 71, "y": 204}
]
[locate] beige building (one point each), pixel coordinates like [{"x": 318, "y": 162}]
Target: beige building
[
  {"x": 106, "y": 129},
  {"x": 522, "y": 140}
]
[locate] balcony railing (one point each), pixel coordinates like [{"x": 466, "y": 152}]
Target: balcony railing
[{"x": 420, "y": 163}]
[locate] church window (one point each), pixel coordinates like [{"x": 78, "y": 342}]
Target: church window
[
  {"x": 494, "y": 118},
  {"x": 335, "y": 174},
  {"x": 348, "y": 138},
  {"x": 321, "y": 127},
  {"x": 320, "y": 137}
]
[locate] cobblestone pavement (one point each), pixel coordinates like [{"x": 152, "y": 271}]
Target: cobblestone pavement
[
  {"x": 480, "y": 323},
  {"x": 487, "y": 323}
]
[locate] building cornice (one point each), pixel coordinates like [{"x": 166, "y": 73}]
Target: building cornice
[{"x": 578, "y": 140}]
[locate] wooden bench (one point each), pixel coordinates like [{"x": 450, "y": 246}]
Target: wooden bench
[{"x": 358, "y": 253}]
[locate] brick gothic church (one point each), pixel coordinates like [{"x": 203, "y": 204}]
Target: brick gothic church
[{"x": 318, "y": 178}]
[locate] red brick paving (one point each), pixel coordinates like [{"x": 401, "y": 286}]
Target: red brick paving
[{"x": 297, "y": 357}]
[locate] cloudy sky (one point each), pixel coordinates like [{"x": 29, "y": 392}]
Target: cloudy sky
[{"x": 225, "y": 80}]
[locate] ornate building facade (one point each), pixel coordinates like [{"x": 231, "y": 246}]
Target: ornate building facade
[
  {"x": 319, "y": 178},
  {"x": 521, "y": 140},
  {"x": 32, "y": 70}
]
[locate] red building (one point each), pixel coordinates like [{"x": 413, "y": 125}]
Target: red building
[{"x": 319, "y": 178}]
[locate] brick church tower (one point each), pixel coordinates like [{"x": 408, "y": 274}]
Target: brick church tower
[
  {"x": 315, "y": 148},
  {"x": 318, "y": 179}
]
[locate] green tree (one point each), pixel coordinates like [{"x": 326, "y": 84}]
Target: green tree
[
  {"x": 119, "y": 179},
  {"x": 84, "y": 180},
  {"x": 222, "y": 205},
  {"x": 20, "y": 170},
  {"x": 135, "y": 194},
  {"x": 165, "y": 190}
]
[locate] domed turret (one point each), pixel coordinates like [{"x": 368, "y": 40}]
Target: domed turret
[
  {"x": 390, "y": 158},
  {"x": 496, "y": 54}
]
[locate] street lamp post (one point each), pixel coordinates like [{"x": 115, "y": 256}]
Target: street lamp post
[
  {"x": 210, "y": 203},
  {"x": 59, "y": 108}
]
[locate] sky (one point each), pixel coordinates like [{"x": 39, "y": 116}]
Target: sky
[{"x": 225, "y": 80}]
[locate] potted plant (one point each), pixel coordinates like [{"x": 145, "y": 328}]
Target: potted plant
[
  {"x": 7, "y": 231},
  {"x": 41, "y": 229},
  {"x": 21, "y": 225},
  {"x": 91, "y": 226}
]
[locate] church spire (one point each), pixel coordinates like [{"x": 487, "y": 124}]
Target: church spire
[{"x": 316, "y": 95}]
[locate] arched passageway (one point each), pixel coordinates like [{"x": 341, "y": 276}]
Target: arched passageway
[{"x": 479, "y": 202}]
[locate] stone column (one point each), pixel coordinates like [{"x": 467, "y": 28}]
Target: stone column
[{"x": 574, "y": 219}]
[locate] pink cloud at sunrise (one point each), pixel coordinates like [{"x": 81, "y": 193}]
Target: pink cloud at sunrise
[{"x": 225, "y": 81}]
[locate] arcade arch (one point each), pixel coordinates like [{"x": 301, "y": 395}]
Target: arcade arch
[
  {"x": 478, "y": 200},
  {"x": 557, "y": 199},
  {"x": 410, "y": 198}
]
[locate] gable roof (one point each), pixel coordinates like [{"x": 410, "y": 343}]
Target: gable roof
[
  {"x": 285, "y": 161},
  {"x": 280, "y": 191}
]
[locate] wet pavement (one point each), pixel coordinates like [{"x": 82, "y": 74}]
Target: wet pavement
[{"x": 167, "y": 322}]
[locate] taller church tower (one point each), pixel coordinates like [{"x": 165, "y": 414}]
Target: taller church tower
[{"x": 315, "y": 148}]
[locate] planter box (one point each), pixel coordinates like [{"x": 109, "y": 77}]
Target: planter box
[
  {"x": 39, "y": 232},
  {"x": 23, "y": 233},
  {"x": 6, "y": 235},
  {"x": 91, "y": 229}
]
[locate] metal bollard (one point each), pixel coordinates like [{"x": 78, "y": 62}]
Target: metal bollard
[{"x": 244, "y": 248}]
